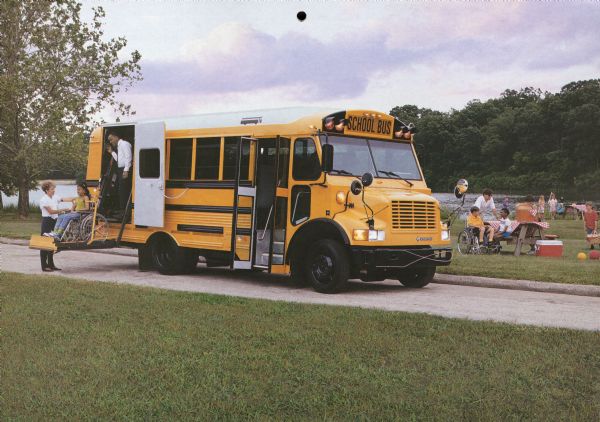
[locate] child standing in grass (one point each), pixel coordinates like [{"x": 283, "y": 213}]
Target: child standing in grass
[
  {"x": 541, "y": 208},
  {"x": 552, "y": 204},
  {"x": 590, "y": 220}
]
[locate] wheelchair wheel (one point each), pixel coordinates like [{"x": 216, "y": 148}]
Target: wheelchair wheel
[
  {"x": 100, "y": 228},
  {"x": 464, "y": 243}
]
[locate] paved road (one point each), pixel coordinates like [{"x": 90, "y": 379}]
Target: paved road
[{"x": 476, "y": 303}]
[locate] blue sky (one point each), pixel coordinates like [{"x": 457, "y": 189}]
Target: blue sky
[{"x": 205, "y": 56}]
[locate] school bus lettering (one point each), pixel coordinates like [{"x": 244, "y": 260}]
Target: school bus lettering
[{"x": 255, "y": 193}]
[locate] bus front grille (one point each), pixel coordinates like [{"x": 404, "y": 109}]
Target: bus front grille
[{"x": 413, "y": 215}]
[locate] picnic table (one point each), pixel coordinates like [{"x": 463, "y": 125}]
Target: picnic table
[
  {"x": 593, "y": 239},
  {"x": 523, "y": 233}
]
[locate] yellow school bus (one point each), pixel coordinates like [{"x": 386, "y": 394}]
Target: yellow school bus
[{"x": 322, "y": 195}]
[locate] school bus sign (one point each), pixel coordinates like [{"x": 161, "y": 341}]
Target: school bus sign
[
  {"x": 361, "y": 123},
  {"x": 369, "y": 124}
]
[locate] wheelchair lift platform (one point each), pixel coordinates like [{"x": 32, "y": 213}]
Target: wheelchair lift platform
[{"x": 49, "y": 244}]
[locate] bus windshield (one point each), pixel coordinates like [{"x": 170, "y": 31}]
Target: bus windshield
[{"x": 385, "y": 159}]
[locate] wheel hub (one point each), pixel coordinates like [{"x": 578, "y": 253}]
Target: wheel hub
[{"x": 322, "y": 267}]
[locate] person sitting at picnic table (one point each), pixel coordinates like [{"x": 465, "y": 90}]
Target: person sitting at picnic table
[
  {"x": 526, "y": 211},
  {"x": 485, "y": 203},
  {"x": 504, "y": 231},
  {"x": 475, "y": 221},
  {"x": 590, "y": 221}
]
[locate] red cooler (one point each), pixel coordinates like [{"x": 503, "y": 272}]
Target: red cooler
[{"x": 549, "y": 248}]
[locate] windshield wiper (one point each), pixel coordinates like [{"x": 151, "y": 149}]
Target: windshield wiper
[
  {"x": 344, "y": 172},
  {"x": 391, "y": 173}
]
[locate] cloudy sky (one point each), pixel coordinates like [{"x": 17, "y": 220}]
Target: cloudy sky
[{"x": 206, "y": 56}]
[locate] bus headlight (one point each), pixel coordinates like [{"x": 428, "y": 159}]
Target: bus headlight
[
  {"x": 445, "y": 235},
  {"x": 340, "y": 197},
  {"x": 368, "y": 235}
]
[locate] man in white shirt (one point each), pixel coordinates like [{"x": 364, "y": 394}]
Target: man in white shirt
[
  {"x": 485, "y": 203},
  {"x": 121, "y": 152}
]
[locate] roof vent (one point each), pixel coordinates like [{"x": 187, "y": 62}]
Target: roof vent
[{"x": 251, "y": 120}]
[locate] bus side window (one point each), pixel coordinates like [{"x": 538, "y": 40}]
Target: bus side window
[
  {"x": 208, "y": 153},
  {"x": 300, "y": 204},
  {"x": 149, "y": 166},
  {"x": 180, "y": 159},
  {"x": 306, "y": 161}
]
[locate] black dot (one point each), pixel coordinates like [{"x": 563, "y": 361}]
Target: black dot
[{"x": 301, "y": 15}]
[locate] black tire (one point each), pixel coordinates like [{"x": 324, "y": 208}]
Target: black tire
[
  {"x": 327, "y": 266},
  {"x": 171, "y": 259},
  {"x": 417, "y": 277},
  {"x": 145, "y": 260}
]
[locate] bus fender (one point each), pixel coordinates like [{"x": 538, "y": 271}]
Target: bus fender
[
  {"x": 160, "y": 234},
  {"x": 319, "y": 228}
]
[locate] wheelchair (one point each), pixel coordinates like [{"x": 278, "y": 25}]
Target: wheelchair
[
  {"x": 468, "y": 243},
  {"x": 90, "y": 226}
]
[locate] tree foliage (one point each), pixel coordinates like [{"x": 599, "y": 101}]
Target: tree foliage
[
  {"x": 56, "y": 74},
  {"x": 525, "y": 141}
]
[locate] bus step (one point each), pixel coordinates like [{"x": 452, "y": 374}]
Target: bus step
[
  {"x": 277, "y": 259},
  {"x": 278, "y": 247}
]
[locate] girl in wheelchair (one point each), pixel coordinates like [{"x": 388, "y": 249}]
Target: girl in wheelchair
[
  {"x": 475, "y": 222},
  {"x": 81, "y": 203}
]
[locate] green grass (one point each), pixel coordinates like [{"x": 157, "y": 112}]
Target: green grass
[
  {"x": 81, "y": 350},
  {"x": 566, "y": 269},
  {"x": 13, "y": 226}
]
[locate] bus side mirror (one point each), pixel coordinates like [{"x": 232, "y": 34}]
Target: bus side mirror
[
  {"x": 461, "y": 188},
  {"x": 327, "y": 158}
]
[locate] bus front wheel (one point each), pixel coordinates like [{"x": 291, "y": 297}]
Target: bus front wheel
[
  {"x": 417, "y": 277},
  {"x": 171, "y": 259},
  {"x": 327, "y": 266}
]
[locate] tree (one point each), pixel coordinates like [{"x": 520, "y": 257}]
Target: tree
[
  {"x": 56, "y": 75},
  {"x": 524, "y": 141}
]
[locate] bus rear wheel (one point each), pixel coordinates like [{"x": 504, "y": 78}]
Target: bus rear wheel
[
  {"x": 417, "y": 277},
  {"x": 171, "y": 259},
  {"x": 327, "y": 266}
]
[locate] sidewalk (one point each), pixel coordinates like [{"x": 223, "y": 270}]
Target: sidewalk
[{"x": 457, "y": 280}]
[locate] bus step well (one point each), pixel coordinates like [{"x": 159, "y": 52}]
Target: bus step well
[
  {"x": 277, "y": 259},
  {"x": 278, "y": 248}
]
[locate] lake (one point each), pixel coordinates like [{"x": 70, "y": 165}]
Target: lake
[{"x": 64, "y": 188}]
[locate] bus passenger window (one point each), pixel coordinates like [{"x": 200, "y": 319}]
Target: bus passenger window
[
  {"x": 149, "y": 163},
  {"x": 208, "y": 152},
  {"x": 306, "y": 161},
  {"x": 229, "y": 154},
  {"x": 180, "y": 159}
]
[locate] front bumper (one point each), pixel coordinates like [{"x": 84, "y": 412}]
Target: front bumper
[{"x": 372, "y": 263}]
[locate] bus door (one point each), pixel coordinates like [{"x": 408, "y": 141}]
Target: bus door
[
  {"x": 272, "y": 160},
  {"x": 149, "y": 166},
  {"x": 244, "y": 205}
]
